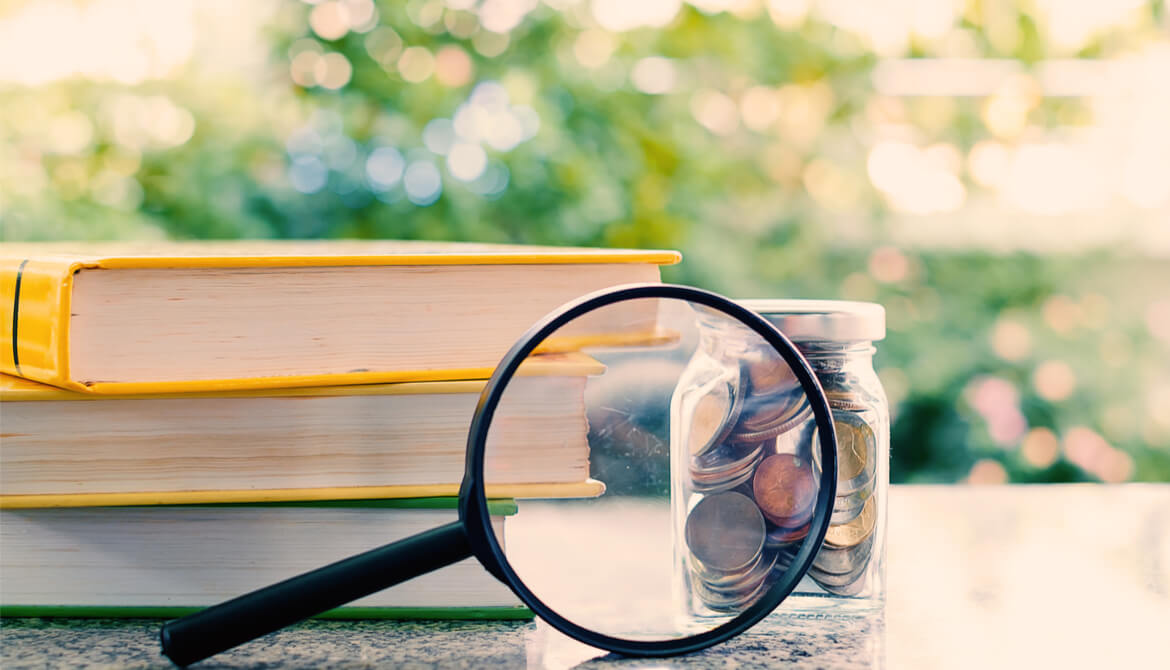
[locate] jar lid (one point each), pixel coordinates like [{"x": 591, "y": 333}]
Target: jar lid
[{"x": 832, "y": 320}]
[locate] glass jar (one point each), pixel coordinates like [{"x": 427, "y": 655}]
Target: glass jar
[{"x": 774, "y": 439}]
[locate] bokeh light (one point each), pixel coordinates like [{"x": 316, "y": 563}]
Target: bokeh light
[{"x": 996, "y": 174}]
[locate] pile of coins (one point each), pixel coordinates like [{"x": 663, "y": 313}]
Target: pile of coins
[{"x": 754, "y": 461}]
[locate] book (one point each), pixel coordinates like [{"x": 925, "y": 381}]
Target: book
[
  {"x": 163, "y": 317},
  {"x": 166, "y": 561},
  {"x": 63, "y": 448}
]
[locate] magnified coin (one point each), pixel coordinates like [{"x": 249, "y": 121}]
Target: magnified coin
[
  {"x": 766, "y": 417},
  {"x": 853, "y": 533},
  {"x": 785, "y": 488},
  {"x": 785, "y": 556},
  {"x": 843, "y": 561},
  {"x": 722, "y": 484},
  {"x": 715, "y": 414},
  {"x": 725, "y": 468},
  {"x": 768, "y": 373},
  {"x": 726, "y": 458},
  {"x": 725, "y": 577},
  {"x": 725, "y": 531},
  {"x": 782, "y": 537},
  {"x": 747, "y": 582},
  {"x": 721, "y": 601}
]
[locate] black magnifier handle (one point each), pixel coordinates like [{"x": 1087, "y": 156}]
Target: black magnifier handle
[{"x": 221, "y": 627}]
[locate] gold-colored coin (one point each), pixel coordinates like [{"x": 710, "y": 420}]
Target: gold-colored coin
[
  {"x": 856, "y": 452},
  {"x": 853, "y": 533},
  {"x": 854, "y": 442}
]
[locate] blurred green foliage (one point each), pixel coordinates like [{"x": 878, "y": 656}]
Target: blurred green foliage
[{"x": 570, "y": 149}]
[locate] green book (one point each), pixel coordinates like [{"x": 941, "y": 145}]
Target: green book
[{"x": 169, "y": 560}]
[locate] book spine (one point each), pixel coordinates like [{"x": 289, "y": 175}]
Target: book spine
[{"x": 34, "y": 308}]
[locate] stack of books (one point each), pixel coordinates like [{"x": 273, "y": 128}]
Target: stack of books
[{"x": 182, "y": 423}]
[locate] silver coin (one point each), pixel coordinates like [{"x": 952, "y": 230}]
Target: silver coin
[
  {"x": 722, "y": 485},
  {"x": 724, "y": 460},
  {"x": 847, "y": 507},
  {"x": 831, "y": 579},
  {"x": 723, "y": 602},
  {"x": 723, "y": 578},
  {"x": 840, "y": 583},
  {"x": 715, "y": 414},
  {"x": 796, "y": 411},
  {"x": 844, "y": 561},
  {"x": 749, "y": 580},
  {"x": 725, "y": 531}
]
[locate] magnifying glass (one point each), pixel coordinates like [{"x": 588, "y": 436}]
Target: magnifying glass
[{"x": 679, "y": 502}]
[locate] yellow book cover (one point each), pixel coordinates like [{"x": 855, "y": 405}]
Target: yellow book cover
[
  {"x": 123, "y": 318},
  {"x": 62, "y": 448}
]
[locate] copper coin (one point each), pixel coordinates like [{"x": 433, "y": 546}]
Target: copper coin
[
  {"x": 785, "y": 488},
  {"x": 725, "y": 531},
  {"x": 854, "y": 533}
]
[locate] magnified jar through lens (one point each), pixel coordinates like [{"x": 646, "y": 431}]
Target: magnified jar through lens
[{"x": 756, "y": 450}]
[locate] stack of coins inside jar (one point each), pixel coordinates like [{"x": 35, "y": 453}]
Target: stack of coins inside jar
[{"x": 752, "y": 480}]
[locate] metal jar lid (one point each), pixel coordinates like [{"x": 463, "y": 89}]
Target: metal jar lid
[{"x": 825, "y": 320}]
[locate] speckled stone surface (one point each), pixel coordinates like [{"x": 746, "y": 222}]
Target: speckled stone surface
[
  {"x": 813, "y": 642},
  {"x": 1056, "y": 576}
]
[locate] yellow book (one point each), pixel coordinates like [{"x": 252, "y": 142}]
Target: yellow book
[
  {"x": 181, "y": 317},
  {"x": 403, "y": 440}
]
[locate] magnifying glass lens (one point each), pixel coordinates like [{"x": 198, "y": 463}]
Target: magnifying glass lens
[
  {"x": 661, "y": 455},
  {"x": 674, "y": 465}
]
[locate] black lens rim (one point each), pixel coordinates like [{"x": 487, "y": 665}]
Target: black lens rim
[{"x": 473, "y": 508}]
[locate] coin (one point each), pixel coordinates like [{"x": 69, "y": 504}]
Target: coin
[
  {"x": 853, "y": 533},
  {"x": 747, "y": 581},
  {"x": 785, "y": 489},
  {"x": 724, "y": 578},
  {"x": 726, "y": 459},
  {"x": 843, "y": 561},
  {"x": 728, "y": 602},
  {"x": 857, "y": 587},
  {"x": 848, "y": 403},
  {"x": 827, "y": 579},
  {"x": 782, "y": 537},
  {"x": 768, "y": 373},
  {"x": 725, "y": 531},
  {"x": 764, "y": 410},
  {"x": 856, "y": 452},
  {"x": 847, "y": 507},
  {"x": 714, "y": 414},
  {"x": 724, "y": 468},
  {"x": 795, "y": 414},
  {"x": 722, "y": 485}
]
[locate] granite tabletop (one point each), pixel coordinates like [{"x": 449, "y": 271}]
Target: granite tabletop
[{"x": 1037, "y": 576}]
